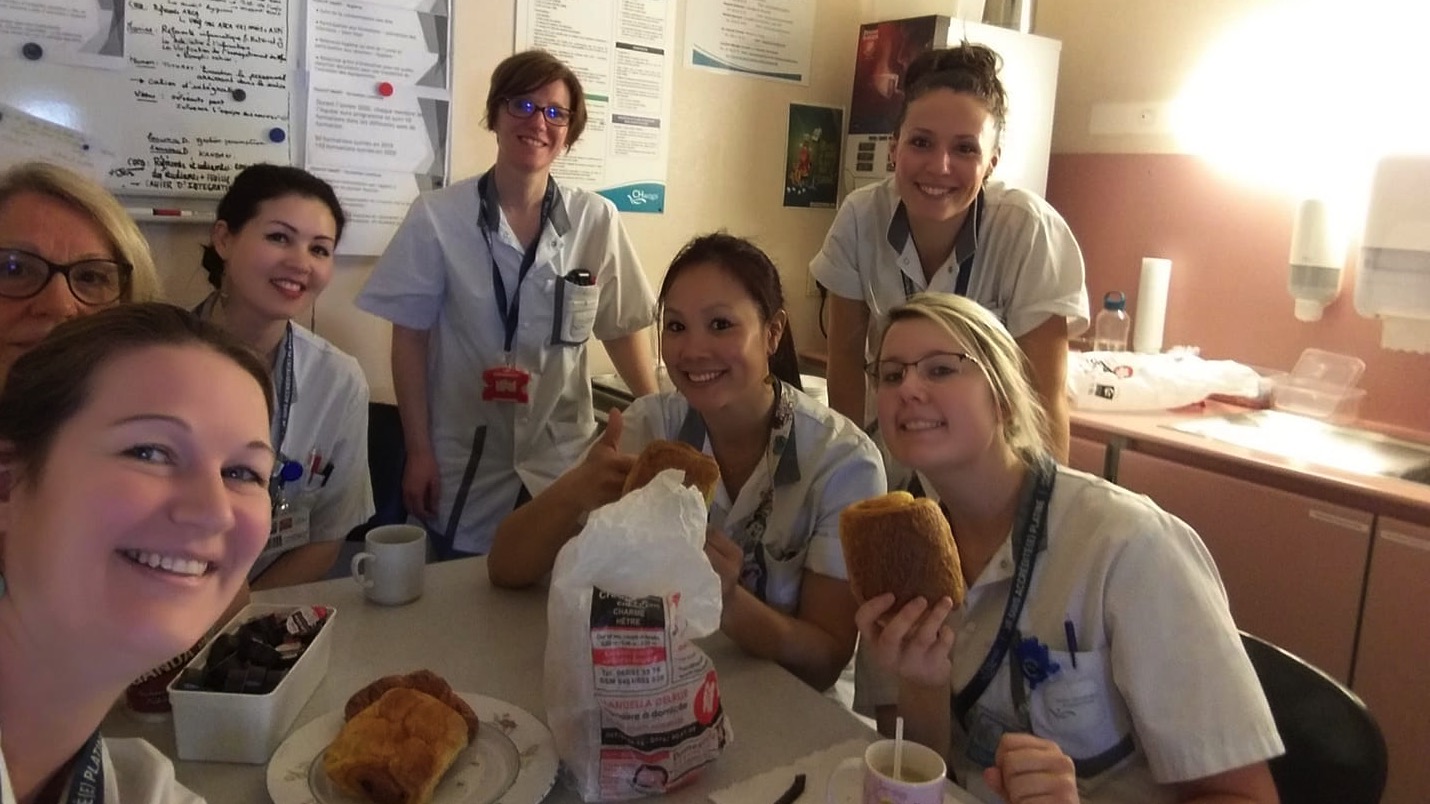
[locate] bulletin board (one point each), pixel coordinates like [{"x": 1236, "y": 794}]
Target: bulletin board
[{"x": 165, "y": 100}]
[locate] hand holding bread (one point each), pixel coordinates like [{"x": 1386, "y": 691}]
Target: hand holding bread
[
  {"x": 898, "y": 544},
  {"x": 601, "y": 477}
]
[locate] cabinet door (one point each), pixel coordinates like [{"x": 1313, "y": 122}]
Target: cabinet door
[
  {"x": 1293, "y": 566},
  {"x": 1394, "y": 651},
  {"x": 1086, "y": 455}
]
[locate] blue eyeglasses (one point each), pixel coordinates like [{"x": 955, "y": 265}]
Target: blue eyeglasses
[{"x": 525, "y": 107}]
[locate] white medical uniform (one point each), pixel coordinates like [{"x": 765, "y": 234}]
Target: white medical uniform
[
  {"x": 134, "y": 773},
  {"x": 1026, "y": 265},
  {"x": 436, "y": 275},
  {"x": 786, "y": 516},
  {"x": 1162, "y": 690},
  {"x": 327, "y": 422}
]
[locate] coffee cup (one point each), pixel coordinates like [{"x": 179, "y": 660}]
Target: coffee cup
[
  {"x": 390, "y": 567},
  {"x": 920, "y": 779}
]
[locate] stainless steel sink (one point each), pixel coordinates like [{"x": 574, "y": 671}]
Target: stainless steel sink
[{"x": 1312, "y": 441}]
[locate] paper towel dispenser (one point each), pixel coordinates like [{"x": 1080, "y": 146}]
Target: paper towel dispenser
[{"x": 1394, "y": 275}]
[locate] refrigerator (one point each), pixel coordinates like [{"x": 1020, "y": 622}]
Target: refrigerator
[{"x": 1029, "y": 75}]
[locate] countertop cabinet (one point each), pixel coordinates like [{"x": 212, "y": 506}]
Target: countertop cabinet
[
  {"x": 1393, "y": 659},
  {"x": 1292, "y": 565},
  {"x": 1086, "y": 454}
]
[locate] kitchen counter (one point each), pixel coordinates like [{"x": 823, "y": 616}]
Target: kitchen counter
[{"x": 1151, "y": 433}]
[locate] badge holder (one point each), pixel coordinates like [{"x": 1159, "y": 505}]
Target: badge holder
[
  {"x": 289, "y": 527},
  {"x": 505, "y": 384}
]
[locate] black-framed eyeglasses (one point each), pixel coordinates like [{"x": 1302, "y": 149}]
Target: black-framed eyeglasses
[
  {"x": 23, "y": 275},
  {"x": 526, "y": 107},
  {"x": 935, "y": 368}
]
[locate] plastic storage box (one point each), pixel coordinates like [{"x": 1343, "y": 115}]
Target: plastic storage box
[
  {"x": 1322, "y": 385},
  {"x": 234, "y": 727}
]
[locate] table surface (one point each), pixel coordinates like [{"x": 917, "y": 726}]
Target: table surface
[{"x": 491, "y": 641}]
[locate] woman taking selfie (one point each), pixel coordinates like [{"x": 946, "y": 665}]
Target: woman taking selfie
[{"x": 134, "y": 463}]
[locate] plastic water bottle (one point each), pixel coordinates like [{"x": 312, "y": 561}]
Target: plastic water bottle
[{"x": 1110, "y": 330}]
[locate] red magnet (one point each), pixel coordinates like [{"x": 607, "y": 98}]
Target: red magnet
[{"x": 384, "y": 89}]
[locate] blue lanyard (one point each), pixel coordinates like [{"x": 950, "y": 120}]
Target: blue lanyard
[
  {"x": 1030, "y": 531},
  {"x": 87, "y": 779},
  {"x": 509, "y": 307}
]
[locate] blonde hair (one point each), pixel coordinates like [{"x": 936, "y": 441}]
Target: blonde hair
[
  {"x": 1025, "y": 424},
  {"x": 88, "y": 198}
]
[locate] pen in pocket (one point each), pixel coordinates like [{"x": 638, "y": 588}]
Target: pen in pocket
[
  {"x": 581, "y": 277},
  {"x": 1071, "y": 634}
]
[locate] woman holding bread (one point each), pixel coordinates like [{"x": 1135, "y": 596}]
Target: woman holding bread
[
  {"x": 1094, "y": 655},
  {"x": 134, "y": 461},
  {"x": 787, "y": 464}
]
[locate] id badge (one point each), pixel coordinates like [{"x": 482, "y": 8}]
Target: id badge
[
  {"x": 289, "y": 530},
  {"x": 505, "y": 384},
  {"x": 985, "y": 730}
]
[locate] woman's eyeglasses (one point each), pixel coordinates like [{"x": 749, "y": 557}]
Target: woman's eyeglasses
[
  {"x": 23, "y": 275},
  {"x": 525, "y": 107},
  {"x": 935, "y": 368}
]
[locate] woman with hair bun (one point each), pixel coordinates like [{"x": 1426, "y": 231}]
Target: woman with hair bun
[{"x": 939, "y": 224}]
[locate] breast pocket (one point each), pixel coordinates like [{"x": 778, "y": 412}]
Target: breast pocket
[
  {"x": 1078, "y": 708},
  {"x": 575, "y": 312}
]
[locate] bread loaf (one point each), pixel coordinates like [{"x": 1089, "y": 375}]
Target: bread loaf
[
  {"x": 421, "y": 680},
  {"x": 701, "y": 471},
  {"x": 897, "y": 543},
  {"x": 397, "y": 749}
]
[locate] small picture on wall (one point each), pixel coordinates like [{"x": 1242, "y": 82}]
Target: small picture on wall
[{"x": 812, "y": 155}]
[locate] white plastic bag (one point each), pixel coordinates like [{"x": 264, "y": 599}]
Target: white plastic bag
[
  {"x": 1129, "y": 381},
  {"x": 633, "y": 703}
]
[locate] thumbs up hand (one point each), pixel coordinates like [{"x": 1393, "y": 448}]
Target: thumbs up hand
[{"x": 602, "y": 474}]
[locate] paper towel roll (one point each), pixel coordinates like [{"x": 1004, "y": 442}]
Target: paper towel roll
[{"x": 1150, "y": 317}]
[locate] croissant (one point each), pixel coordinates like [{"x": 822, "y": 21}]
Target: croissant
[
  {"x": 897, "y": 543},
  {"x": 701, "y": 470},
  {"x": 421, "y": 680},
  {"x": 396, "y": 750}
]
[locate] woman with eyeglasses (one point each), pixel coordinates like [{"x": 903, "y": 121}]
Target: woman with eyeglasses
[
  {"x": 1094, "y": 658},
  {"x": 67, "y": 249},
  {"x": 494, "y": 286},
  {"x": 942, "y": 223}
]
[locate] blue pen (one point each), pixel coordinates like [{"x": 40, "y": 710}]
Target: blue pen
[{"x": 1072, "y": 640}]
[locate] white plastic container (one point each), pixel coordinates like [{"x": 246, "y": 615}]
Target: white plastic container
[
  {"x": 1322, "y": 385},
  {"x": 234, "y": 727}
]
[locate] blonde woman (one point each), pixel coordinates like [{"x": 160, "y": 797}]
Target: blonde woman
[
  {"x": 55, "y": 221},
  {"x": 1068, "y": 674}
]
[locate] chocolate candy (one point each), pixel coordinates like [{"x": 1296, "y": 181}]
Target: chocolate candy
[{"x": 254, "y": 658}]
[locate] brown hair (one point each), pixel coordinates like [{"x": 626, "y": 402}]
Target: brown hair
[
  {"x": 50, "y": 383},
  {"x": 969, "y": 68},
  {"x": 94, "y": 202},
  {"x": 264, "y": 182},
  {"x": 756, "y": 272},
  {"x": 529, "y": 71}
]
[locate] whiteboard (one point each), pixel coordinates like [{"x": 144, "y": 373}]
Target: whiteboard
[
  {"x": 179, "y": 95},
  {"x": 201, "y": 91}
]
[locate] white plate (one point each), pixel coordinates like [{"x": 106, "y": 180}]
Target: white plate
[{"x": 513, "y": 761}]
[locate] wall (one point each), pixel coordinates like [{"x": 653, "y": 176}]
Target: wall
[
  {"x": 726, "y": 164},
  {"x": 1139, "y": 194}
]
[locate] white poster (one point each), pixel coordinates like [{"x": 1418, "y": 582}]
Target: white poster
[
  {"x": 84, "y": 33},
  {"x": 374, "y": 202},
  {"x": 767, "y": 38},
  {"x": 351, "y": 124},
  {"x": 379, "y": 43},
  {"x": 624, "y": 52},
  {"x": 24, "y": 137}
]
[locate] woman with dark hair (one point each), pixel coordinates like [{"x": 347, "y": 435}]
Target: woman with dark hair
[
  {"x": 270, "y": 257},
  {"x": 939, "y": 224},
  {"x": 55, "y": 221},
  {"x": 494, "y": 287},
  {"x": 788, "y": 464},
  {"x": 134, "y": 462}
]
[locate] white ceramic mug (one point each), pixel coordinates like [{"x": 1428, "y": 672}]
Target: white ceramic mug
[
  {"x": 390, "y": 569},
  {"x": 920, "y": 782}
]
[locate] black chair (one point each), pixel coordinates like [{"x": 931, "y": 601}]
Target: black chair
[
  {"x": 1335, "y": 753},
  {"x": 386, "y": 457}
]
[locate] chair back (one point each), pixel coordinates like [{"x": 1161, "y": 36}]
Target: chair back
[{"x": 1335, "y": 752}]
